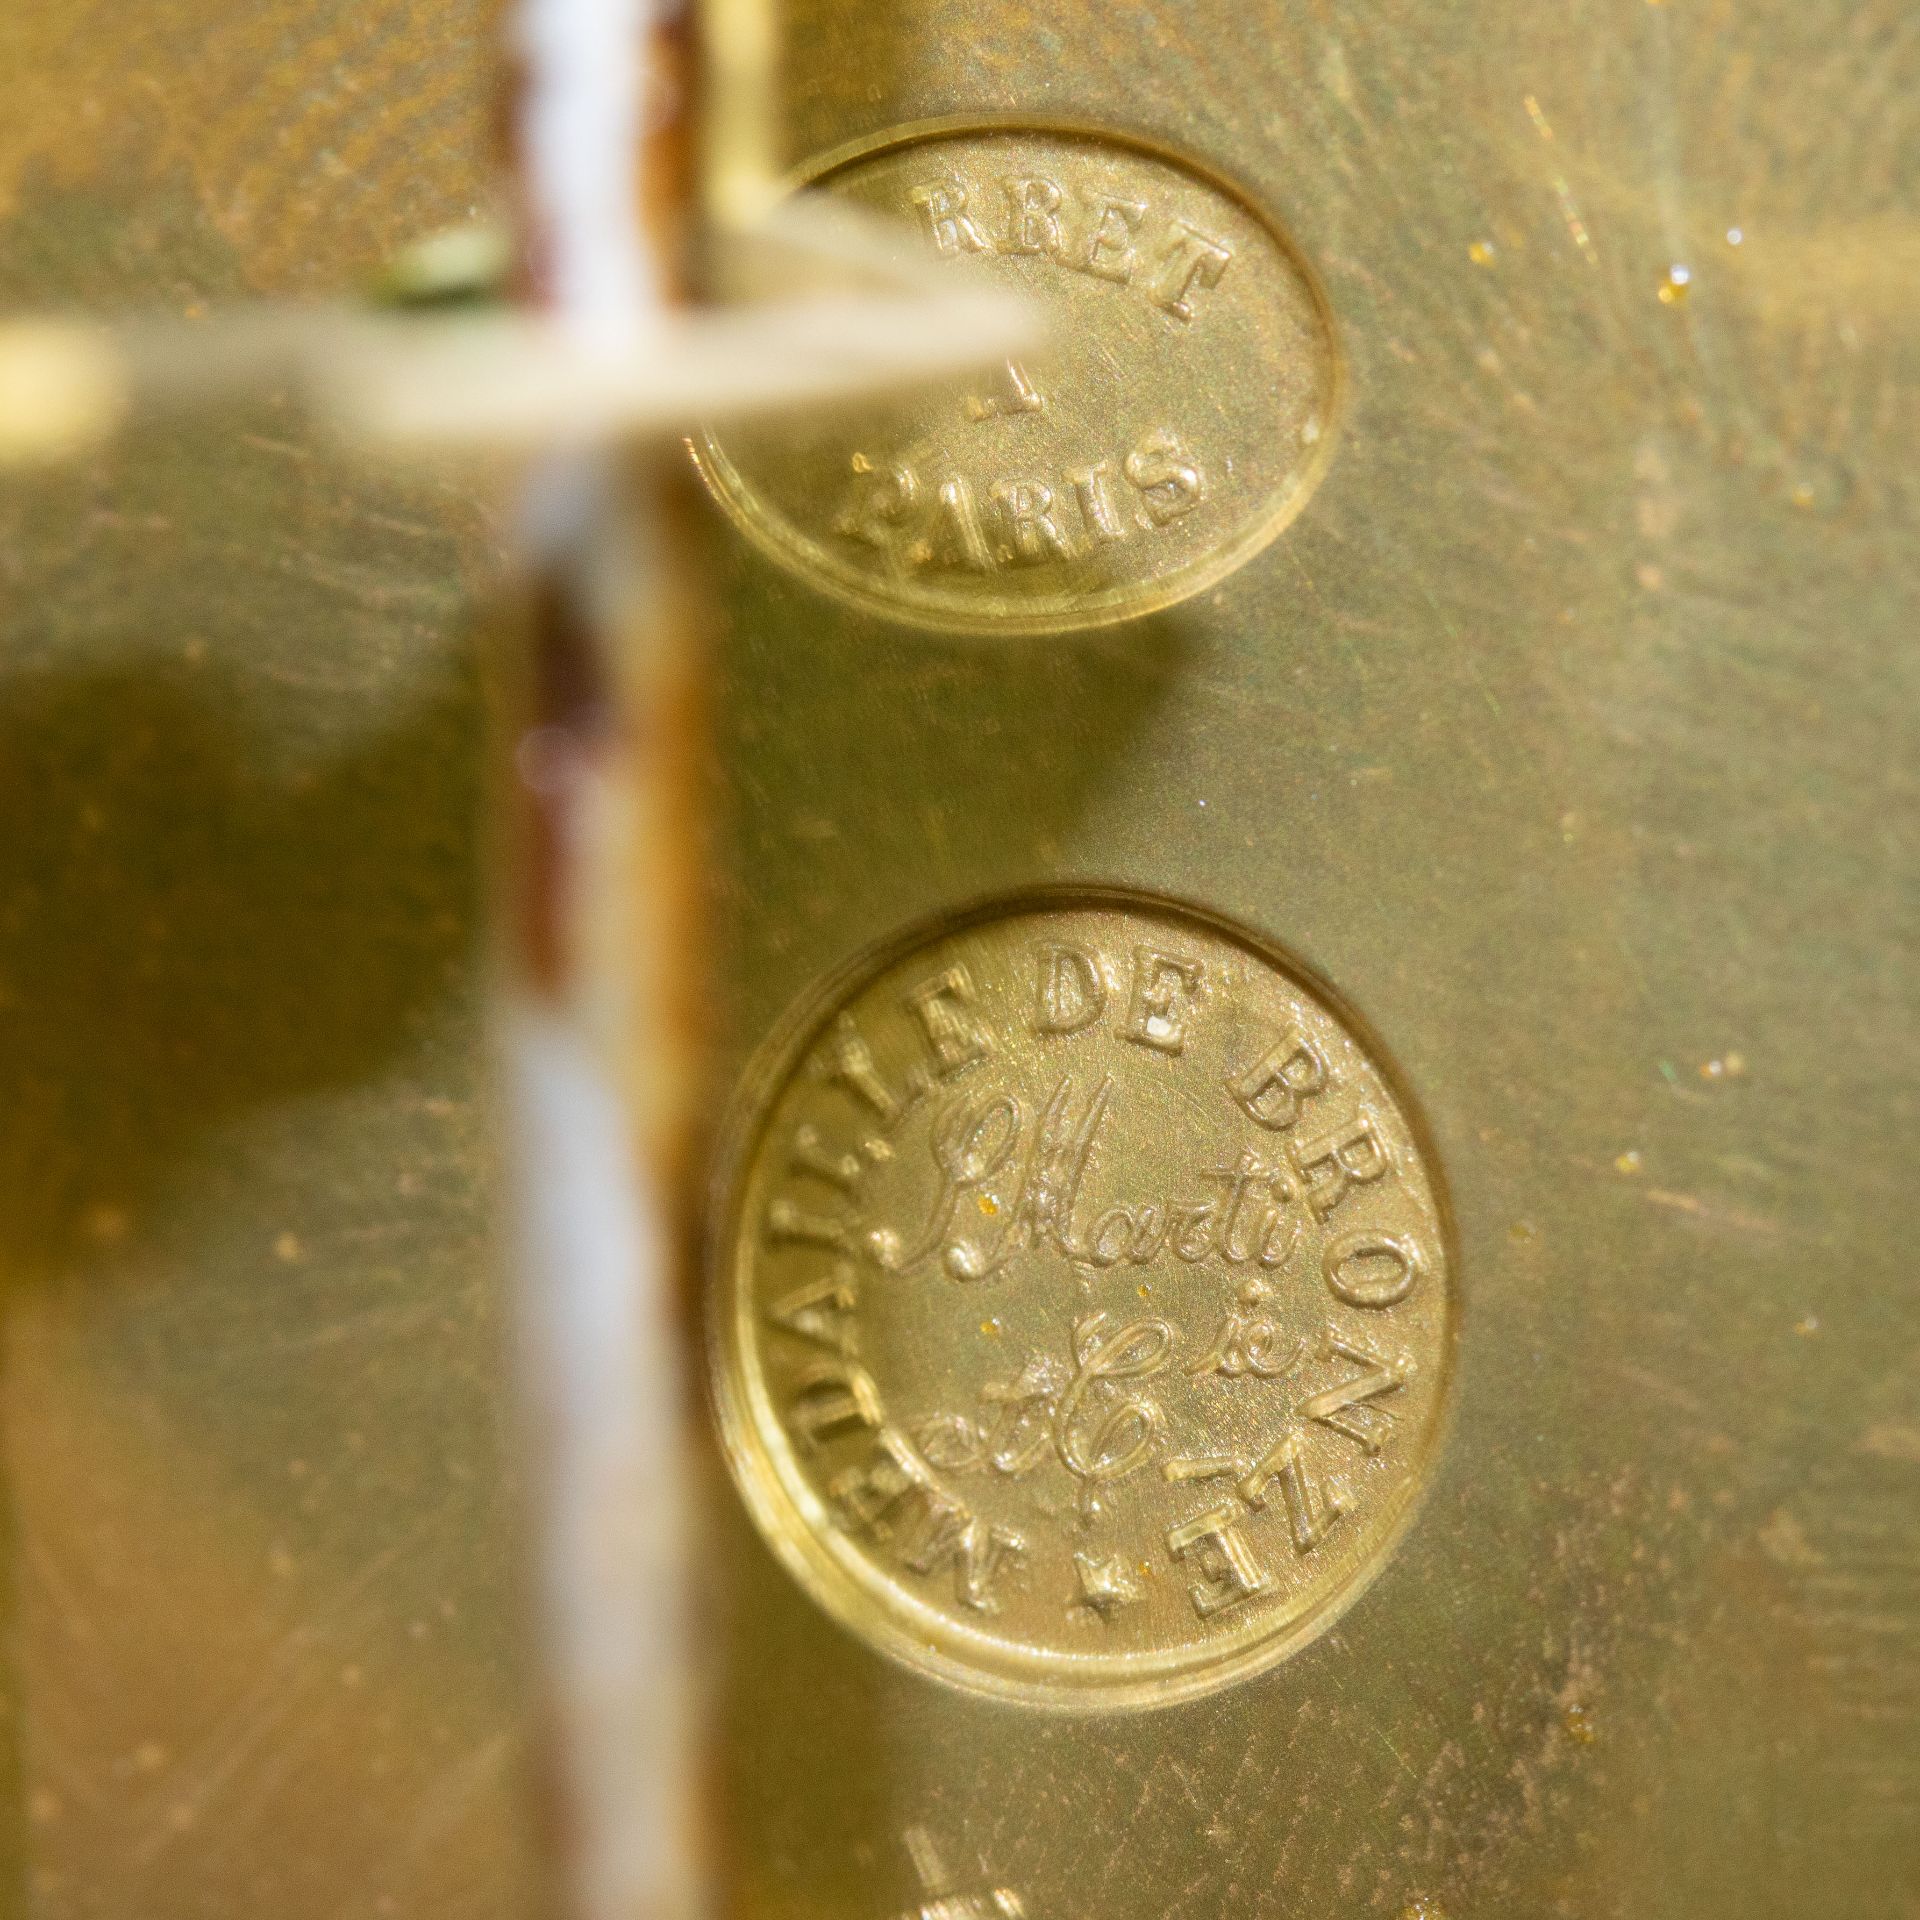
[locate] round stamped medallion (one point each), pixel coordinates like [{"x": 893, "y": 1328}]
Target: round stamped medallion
[
  {"x": 1084, "y": 1313},
  {"x": 1177, "y": 419}
]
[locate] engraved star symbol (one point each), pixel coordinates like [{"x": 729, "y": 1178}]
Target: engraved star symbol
[{"x": 1105, "y": 1585}]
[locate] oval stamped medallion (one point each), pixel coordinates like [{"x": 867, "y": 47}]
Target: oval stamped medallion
[
  {"x": 1084, "y": 1313},
  {"x": 1178, "y": 417}
]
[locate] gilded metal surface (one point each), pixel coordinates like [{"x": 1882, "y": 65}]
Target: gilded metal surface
[
  {"x": 1084, "y": 1319},
  {"x": 262, "y": 1646},
  {"x": 1570, "y": 730},
  {"x": 1178, "y": 420}
]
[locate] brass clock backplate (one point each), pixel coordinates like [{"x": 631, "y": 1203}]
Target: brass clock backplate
[{"x": 1562, "y": 737}]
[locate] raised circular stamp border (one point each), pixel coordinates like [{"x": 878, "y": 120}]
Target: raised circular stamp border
[
  {"x": 807, "y": 561},
  {"x": 796, "y": 1538}
]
